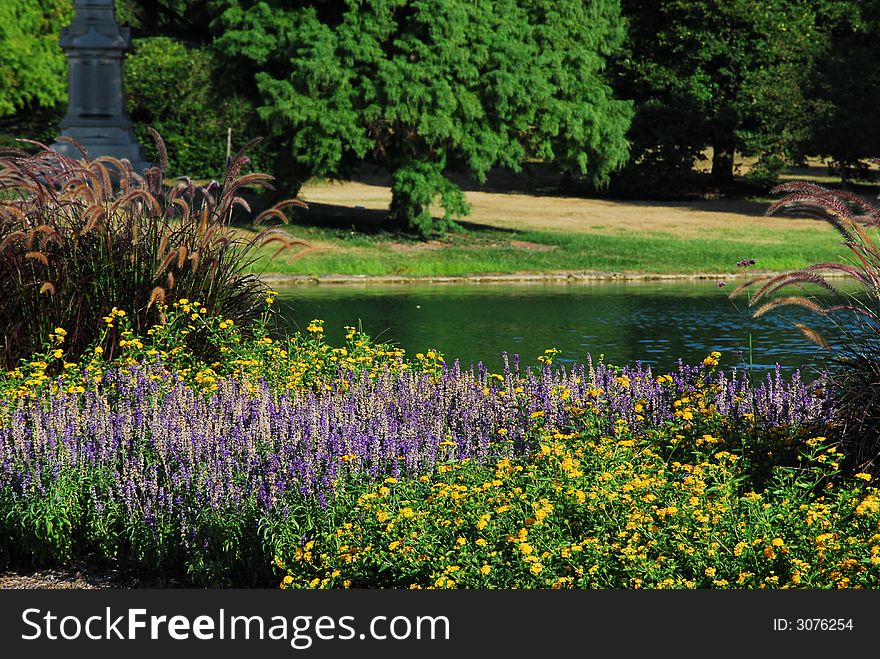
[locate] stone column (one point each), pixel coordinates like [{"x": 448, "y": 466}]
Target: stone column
[{"x": 95, "y": 46}]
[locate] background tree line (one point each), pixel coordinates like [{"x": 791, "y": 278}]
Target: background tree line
[{"x": 629, "y": 93}]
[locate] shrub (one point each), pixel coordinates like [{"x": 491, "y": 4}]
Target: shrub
[
  {"x": 194, "y": 119},
  {"x": 854, "y": 314},
  {"x": 765, "y": 172},
  {"x": 79, "y": 238}
]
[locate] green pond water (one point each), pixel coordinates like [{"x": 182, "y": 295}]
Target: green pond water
[{"x": 653, "y": 322}]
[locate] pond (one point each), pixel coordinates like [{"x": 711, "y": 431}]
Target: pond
[{"x": 656, "y": 322}]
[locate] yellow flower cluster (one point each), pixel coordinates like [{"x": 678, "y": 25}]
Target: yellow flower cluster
[{"x": 663, "y": 508}]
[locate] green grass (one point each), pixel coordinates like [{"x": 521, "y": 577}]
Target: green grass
[{"x": 491, "y": 251}]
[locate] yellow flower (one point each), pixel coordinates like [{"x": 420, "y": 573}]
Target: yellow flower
[
  {"x": 288, "y": 579},
  {"x": 710, "y": 571},
  {"x": 485, "y": 570},
  {"x": 58, "y": 353},
  {"x": 536, "y": 568},
  {"x": 863, "y": 476}
]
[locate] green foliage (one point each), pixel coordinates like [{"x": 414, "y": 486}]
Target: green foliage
[
  {"x": 415, "y": 186},
  {"x": 419, "y": 87},
  {"x": 33, "y": 69},
  {"x": 194, "y": 118},
  {"x": 74, "y": 246},
  {"x": 846, "y": 89},
  {"x": 731, "y": 75},
  {"x": 184, "y": 20}
]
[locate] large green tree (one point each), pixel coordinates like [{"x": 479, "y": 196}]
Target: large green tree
[
  {"x": 847, "y": 87},
  {"x": 729, "y": 74},
  {"x": 424, "y": 86}
]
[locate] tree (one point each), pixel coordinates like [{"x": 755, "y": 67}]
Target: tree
[
  {"x": 847, "y": 87},
  {"x": 424, "y": 86},
  {"x": 730, "y": 74},
  {"x": 33, "y": 70}
]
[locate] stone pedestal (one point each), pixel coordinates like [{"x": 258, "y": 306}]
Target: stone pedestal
[{"x": 95, "y": 46}]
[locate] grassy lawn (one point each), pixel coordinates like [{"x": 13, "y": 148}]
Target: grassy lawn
[
  {"x": 525, "y": 224},
  {"x": 520, "y": 233},
  {"x": 498, "y": 252}
]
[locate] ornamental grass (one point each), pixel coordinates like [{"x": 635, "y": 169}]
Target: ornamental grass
[
  {"x": 79, "y": 238},
  {"x": 853, "y": 311}
]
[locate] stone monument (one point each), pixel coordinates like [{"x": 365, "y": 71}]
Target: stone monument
[{"x": 96, "y": 117}]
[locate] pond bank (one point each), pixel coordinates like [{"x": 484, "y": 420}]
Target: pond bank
[{"x": 566, "y": 276}]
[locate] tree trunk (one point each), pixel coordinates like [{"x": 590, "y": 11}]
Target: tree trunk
[{"x": 722, "y": 165}]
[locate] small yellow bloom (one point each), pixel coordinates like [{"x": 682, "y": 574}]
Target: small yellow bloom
[{"x": 486, "y": 569}]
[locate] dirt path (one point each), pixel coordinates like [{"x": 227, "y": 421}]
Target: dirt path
[{"x": 553, "y": 213}]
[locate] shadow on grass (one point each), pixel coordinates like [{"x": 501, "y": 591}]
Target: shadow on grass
[{"x": 372, "y": 222}]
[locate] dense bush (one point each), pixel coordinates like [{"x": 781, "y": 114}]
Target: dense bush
[
  {"x": 80, "y": 238},
  {"x": 194, "y": 119}
]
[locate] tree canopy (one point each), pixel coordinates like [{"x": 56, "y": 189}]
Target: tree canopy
[
  {"x": 428, "y": 88},
  {"x": 421, "y": 87},
  {"x": 846, "y": 87},
  {"x": 730, "y": 74},
  {"x": 33, "y": 69}
]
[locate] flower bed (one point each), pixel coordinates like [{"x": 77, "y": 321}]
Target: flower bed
[{"x": 413, "y": 473}]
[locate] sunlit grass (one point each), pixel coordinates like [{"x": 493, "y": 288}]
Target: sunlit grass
[{"x": 491, "y": 251}]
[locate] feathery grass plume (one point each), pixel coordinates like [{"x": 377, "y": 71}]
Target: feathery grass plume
[
  {"x": 853, "y": 312},
  {"x": 99, "y": 235},
  {"x": 798, "y": 300},
  {"x": 157, "y": 296}
]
